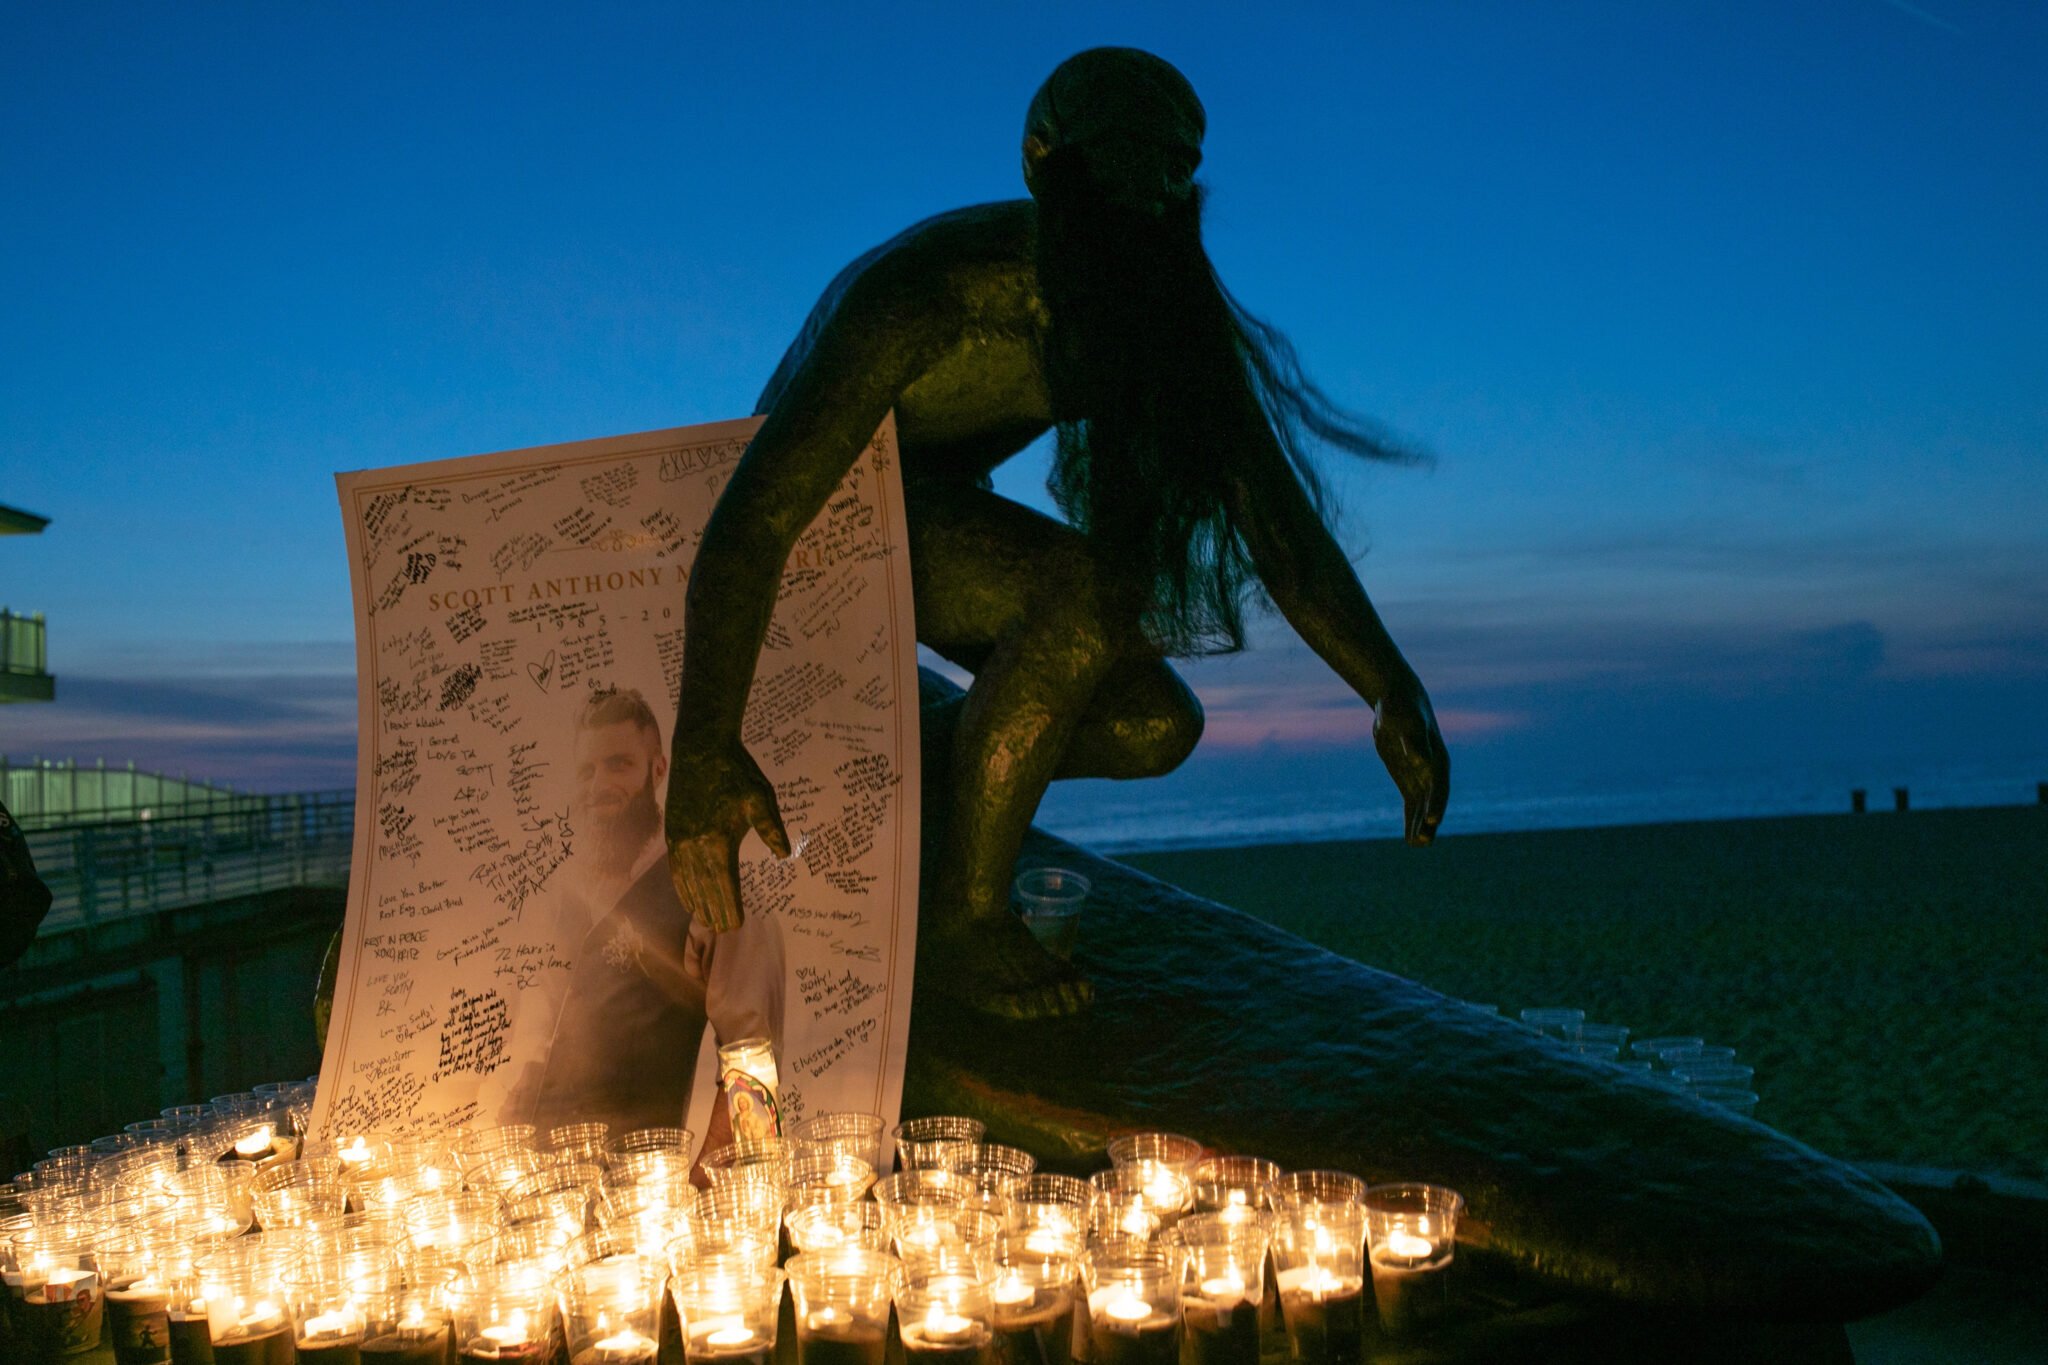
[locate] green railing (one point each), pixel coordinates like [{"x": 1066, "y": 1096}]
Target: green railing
[
  {"x": 42, "y": 792},
  {"x": 113, "y": 869},
  {"x": 24, "y": 646}
]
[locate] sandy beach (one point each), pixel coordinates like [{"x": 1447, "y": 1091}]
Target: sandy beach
[{"x": 1886, "y": 974}]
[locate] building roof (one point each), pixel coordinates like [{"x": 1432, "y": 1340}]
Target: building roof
[{"x": 15, "y": 522}]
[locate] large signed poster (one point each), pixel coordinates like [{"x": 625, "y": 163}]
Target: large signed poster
[{"x": 513, "y": 951}]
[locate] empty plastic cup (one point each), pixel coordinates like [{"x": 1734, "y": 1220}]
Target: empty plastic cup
[{"x": 1050, "y": 899}]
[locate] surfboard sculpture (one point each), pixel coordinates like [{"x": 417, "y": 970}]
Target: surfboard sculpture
[{"x": 1214, "y": 1024}]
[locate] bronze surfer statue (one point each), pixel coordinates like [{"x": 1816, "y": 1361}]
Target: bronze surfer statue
[{"x": 1184, "y": 429}]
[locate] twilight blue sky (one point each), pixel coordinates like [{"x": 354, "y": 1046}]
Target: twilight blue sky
[{"x": 1727, "y": 324}]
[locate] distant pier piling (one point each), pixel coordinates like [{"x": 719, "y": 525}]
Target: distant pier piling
[
  {"x": 1859, "y": 800},
  {"x": 1900, "y": 801}
]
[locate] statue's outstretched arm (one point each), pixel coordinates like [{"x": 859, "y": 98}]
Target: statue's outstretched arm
[
  {"x": 876, "y": 342},
  {"x": 1311, "y": 580}
]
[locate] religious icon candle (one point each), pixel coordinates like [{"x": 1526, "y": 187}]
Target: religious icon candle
[
  {"x": 1412, "y": 1229},
  {"x": 62, "y": 1304},
  {"x": 139, "y": 1321},
  {"x": 752, "y": 1086},
  {"x": 137, "y": 1295},
  {"x": 1319, "y": 1254}
]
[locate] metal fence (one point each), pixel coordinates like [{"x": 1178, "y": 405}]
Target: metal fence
[
  {"x": 40, "y": 792},
  {"x": 24, "y": 643},
  {"x": 107, "y": 870}
]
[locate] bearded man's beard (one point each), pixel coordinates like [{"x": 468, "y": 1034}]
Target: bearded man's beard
[
  {"x": 1161, "y": 384},
  {"x": 618, "y": 839}
]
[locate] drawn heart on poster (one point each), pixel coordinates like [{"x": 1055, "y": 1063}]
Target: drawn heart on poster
[{"x": 542, "y": 671}]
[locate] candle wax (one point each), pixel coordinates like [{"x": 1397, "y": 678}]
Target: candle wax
[
  {"x": 621, "y": 1348},
  {"x": 1405, "y": 1248}
]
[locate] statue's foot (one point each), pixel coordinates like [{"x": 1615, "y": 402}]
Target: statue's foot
[{"x": 993, "y": 964}]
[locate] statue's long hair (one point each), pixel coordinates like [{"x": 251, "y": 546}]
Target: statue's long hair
[{"x": 1161, "y": 386}]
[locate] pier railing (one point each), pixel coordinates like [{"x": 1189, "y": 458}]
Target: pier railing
[
  {"x": 111, "y": 870},
  {"x": 24, "y": 657}
]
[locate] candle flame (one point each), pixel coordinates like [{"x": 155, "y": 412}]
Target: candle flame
[
  {"x": 1128, "y": 1307},
  {"x": 257, "y": 1143},
  {"x": 1409, "y": 1246},
  {"x": 510, "y": 1334}
]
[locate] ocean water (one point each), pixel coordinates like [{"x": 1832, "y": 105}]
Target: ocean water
[{"x": 1232, "y": 801}]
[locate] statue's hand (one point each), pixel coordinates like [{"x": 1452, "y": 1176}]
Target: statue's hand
[
  {"x": 713, "y": 799},
  {"x": 1404, "y": 731}
]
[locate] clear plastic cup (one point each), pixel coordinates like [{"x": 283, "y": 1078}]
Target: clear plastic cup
[
  {"x": 1319, "y": 1263},
  {"x": 611, "y": 1310},
  {"x": 1717, "y": 1076},
  {"x": 1224, "y": 1182},
  {"x": 1318, "y": 1187},
  {"x": 843, "y": 1299},
  {"x": 1653, "y": 1049},
  {"x": 855, "y": 1134},
  {"x": 1412, "y": 1230},
  {"x": 1729, "y": 1097},
  {"x": 1223, "y": 1282},
  {"x": 922, "y": 1144},
  {"x": 1049, "y": 899},
  {"x": 730, "y": 1313},
  {"x": 1553, "y": 1021},
  {"x": 1133, "y": 1301}
]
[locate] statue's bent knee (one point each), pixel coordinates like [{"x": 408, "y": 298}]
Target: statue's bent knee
[{"x": 1173, "y": 727}]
